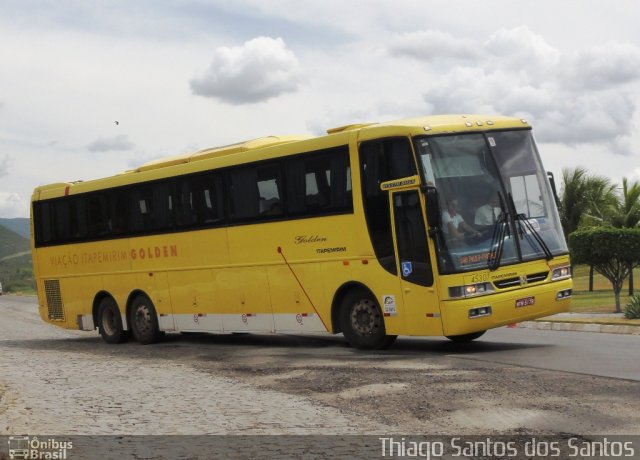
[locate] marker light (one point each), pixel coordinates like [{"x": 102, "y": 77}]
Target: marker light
[{"x": 561, "y": 273}]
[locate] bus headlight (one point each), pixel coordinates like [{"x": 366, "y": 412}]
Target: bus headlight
[
  {"x": 561, "y": 273},
  {"x": 470, "y": 290}
]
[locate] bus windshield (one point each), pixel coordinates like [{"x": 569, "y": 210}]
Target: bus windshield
[{"x": 496, "y": 202}]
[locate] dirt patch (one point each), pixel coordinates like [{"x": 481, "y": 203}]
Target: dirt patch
[{"x": 427, "y": 395}]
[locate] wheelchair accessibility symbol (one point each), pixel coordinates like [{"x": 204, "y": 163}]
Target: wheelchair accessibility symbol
[{"x": 407, "y": 268}]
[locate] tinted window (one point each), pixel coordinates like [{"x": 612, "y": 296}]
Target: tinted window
[
  {"x": 43, "y": 222},
  {"x": 413, "y": 249},
  {"x": 98, "y": 221},
  {"x": 381, "y": 161},
  {"x": 60, "y": 220},
  {"x": 119, "y": 210},
  {"x": 255, "y": 192},
  {"x": 319, "y": 183},
  {"x": 198, "y": 200},
  {"x": 152, "y": 208}
]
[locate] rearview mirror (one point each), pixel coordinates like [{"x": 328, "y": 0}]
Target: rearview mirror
[{"x": 552, "y": 182}]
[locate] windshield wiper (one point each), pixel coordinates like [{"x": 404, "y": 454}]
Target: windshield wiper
[
  {"x": 525, "y": 227},
  {"x": 500, "y": 230}
]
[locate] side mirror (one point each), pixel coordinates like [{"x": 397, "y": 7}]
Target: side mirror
[
  {"x": 552, "y": 182},
  {"x": 432, "y": 204}
]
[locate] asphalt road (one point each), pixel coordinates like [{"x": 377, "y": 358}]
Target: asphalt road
[{"x": 605, "y": 355}]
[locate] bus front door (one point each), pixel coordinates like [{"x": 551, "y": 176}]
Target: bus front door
[{"x": 416, "y": 273}]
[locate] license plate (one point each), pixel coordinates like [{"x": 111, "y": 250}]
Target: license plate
[{"x": 525, "y": 302}]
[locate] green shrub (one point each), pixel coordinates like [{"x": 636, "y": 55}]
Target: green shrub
[{"x": 632, "y": 310}]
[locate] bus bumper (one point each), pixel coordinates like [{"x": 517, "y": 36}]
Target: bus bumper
[{"x": 486, "y": 312}]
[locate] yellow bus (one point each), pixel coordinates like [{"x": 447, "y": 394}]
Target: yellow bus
[{"x": 432, "y": 226}]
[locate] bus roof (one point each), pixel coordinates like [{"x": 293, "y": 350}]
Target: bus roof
[
  {"x": 214, "y": 152},
  {"x": 434, "y": 124}
]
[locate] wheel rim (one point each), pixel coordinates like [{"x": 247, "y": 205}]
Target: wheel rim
[
  {"x": 142, "y": 318},
  {"x": 365, "y": 317},
  {"x": 109, "y": 321}
]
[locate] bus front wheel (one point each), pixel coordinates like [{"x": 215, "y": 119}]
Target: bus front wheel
[
  {"x": 465, "y": 338},
  {"x": 110, "y": 322},
  {"x": 362, "y": 322},
  {"x": 144, "y": 321}
]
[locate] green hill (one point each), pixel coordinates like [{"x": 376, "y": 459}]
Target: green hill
[
  {"x": 20, "y": 225},
  {"x": 16, "y": 272},
  {"x": 11, "y": 243}
]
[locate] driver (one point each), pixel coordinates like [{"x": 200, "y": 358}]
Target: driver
[
  {"x": 453, "y": 223},
  {"x": 488, "y": 213}
]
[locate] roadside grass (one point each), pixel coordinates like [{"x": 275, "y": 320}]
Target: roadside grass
[{"x": 601, "y": 300}]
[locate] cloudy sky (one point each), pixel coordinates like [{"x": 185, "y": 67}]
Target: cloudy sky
[{"x": 183, "y": 75}]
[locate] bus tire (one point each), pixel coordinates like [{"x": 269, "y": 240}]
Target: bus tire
[
  {"x": 110, "y": 322},
  {"x": 362, "y": 322},
  {"x": 465, "y": 338},
  {"x": 144, "y": 321}
]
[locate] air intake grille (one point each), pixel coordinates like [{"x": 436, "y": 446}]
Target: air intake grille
[
  {"x": 521, "y": 281},
  {"x": 507, "y": 283},
  {"x": 536, "y": 277},
  {"x": 54, "y": 300}
]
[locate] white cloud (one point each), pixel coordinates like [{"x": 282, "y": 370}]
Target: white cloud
[
  {"x": 603, "y": 67},
  {"x": 430, "y": 45},
  {"x": 11, "y": 204},
  {"x": 573, "y": 99},
  {"x": 261, "y": 69},
  {"x": 115, "y": 143},
  {"x": 521, "y": 51}
]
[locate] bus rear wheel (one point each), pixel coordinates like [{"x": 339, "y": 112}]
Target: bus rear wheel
[
  {"x": 144, "y": 321},
  {"x": 465, "y": 338},
  {"x": 110, "y": 322},
  {"x": 362, "y": 322}
]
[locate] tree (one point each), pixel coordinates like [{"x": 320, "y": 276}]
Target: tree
[
  {"x": 573, "y": 203},
  {"x": 585, "y": 198},
  {"x": 628, "y": 208},
  {"x": 627, "y": 213},
  {"x": 613, "y": 252},
  {"x": 602, "y": 200}
]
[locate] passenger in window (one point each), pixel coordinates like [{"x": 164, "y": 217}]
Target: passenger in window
[
  {"x": 488, "y": 213},
  {"x": 454, "y": 225},
  {"x": 274, "y": 210}
]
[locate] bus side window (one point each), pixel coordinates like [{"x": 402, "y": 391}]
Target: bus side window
[
  {"x": 244, "y": 198},
  {"x": 98, "y": 221},
  {"x": 137, "y": 210},
  {"x": 319, "y": 183},
  {"x": 255, "y": 192},
  {"x": 269, "y": 184},
  {"x": 184, "y": 204},
  {"x": 206, "y": 198},
  {"x": 118, "y": 212},
  {"x": 61, "y": 221},
  {"x": 381, "y": 161},
  {"x": 412, "y": 238},
  {"x": 43, "y": 220},
  {"x": 162, "y": 207}
]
